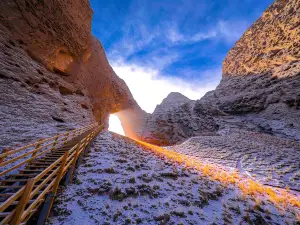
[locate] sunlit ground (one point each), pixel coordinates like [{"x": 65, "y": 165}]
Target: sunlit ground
[
  {"x": 282, "y": 198},
  {"x": 115, "y": 125}
]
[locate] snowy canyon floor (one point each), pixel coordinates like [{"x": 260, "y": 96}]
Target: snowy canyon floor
[
  {"x": 121, "y": 182},
  {"x": 269, "y": 159}
]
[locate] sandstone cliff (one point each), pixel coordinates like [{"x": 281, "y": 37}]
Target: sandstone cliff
[
  {"x": 261, "y": 73},
  {"x": 175, "y": 119},
  {"x": 259, "y": 89},
  {"x": 54, "y": 74},
  {"x": 271, "y": 44}
]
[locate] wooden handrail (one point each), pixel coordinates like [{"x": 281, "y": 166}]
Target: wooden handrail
[
  {"x": 58, "y": 141},
  {"x": 31, "y": 195},
  {"x": 44, "y": 140}
]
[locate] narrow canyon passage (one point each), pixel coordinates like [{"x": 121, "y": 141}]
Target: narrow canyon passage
[
  {"x": 115, "y": 125},
  {"x": 150, "y": 112},
  {"x": 121, "y": 182}
]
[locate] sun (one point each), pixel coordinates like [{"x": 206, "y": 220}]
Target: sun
[{"x": 115, "y": 125}]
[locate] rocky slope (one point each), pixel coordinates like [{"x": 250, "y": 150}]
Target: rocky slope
[
  {"x": 173, "y": 100},
  {"x": 121, "y": 182},
  {"x": 261, "y": 80},
  {"x": 175, "y": 119},
  {"x": 54, "y": 74},
  {"x": 271, "y": 44},
  {"x": 265, "y": 158}
]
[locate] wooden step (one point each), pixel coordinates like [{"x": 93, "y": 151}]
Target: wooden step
[
  {"x": 52, "y": 157},
  {"x": 45, "y": 160},
  {"x": 36, "y": 166},
  {"x": 25, "y": 175},
  {"x": 13, "y": 187},
  {"x": 24, "y": 171},
  {"x": 35, "y": 171},
  {"x": 13, "y": 180},
  {"x": 17, "y": 202},
  {"x": 41, "y": 163},
  {"x": 7, "y": 194},
  {"x": 10, "y": 194},
  {"x": 4, "y": 214}
]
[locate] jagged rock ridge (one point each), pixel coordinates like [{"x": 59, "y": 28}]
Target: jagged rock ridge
[
  {"x": 173, "y": 100},
  {"x": 260, "y": 85}
]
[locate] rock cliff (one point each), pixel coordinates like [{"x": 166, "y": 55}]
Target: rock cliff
[
  {"x": 259, "y": 89},
  {"x": 271, "y": 44},
  {"x": 261, "y": 73},
  {"x": 175, "y": 119},
  {"x": 54, "y": 74}
]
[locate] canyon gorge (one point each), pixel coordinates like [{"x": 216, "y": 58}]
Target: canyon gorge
[
  {"x": 56, "y": 71},
  {"x": 55, "y": 76}
]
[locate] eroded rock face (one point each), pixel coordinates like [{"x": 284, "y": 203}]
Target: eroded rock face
[
  {"x": 260, "y": 86},
  {"x": 54, "y": 74},
  {"x": 271, "y": 44},
  {"x": 175, "y": 119},
  {"x": 55, "y": 33},
  {"x": 35, "y": 102},
  {"x": 261, "y": 73}
]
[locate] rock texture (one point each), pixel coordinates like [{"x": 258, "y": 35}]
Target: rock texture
[
  {"x": 261, "y": 80},
  {"x": 54, "y": 74},
  {"x": 120, "y": 182},
  {"x": 271, "y": 44},
  {"x": 176, "y": 119}
]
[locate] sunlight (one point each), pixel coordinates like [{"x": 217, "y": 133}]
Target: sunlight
[
  {"x": 280, "y": 197},
  {"x": 115, "y": 125}
]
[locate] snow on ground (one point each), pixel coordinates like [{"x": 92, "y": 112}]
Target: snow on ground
[
  {"x": 266, "y": 158},
  {"x": 120, "y": 182}
]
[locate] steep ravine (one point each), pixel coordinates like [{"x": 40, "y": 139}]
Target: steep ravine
[
  {"x": 54, "y": 74},
  {"x": 260, "y": 86}
]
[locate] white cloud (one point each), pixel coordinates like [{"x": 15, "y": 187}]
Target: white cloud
[
  {"x": 232, "y": 31},
  {"x": 228, "y": 31},
  {"x": 174, "y": 36},
  {"x": 203, "y": 36},
  {"x": 149, "y": 87}
]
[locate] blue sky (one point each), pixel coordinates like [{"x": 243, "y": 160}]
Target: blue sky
[{"x": 176, "y": 45}]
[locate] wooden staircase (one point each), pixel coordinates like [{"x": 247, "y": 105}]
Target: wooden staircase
[{"x": 30, "y": 175}]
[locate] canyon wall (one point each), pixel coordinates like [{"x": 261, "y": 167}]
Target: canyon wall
[
  {"x": 259, "y": 90},
  {"x": 261, "y": 73},
  {"x": 54, "y": 74}
]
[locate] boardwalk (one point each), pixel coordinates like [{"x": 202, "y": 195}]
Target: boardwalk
[{"x": 30, "y": 175}]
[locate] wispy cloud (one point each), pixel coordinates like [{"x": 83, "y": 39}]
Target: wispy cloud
[
  {"x": 227, "y": 31},
  {"x": 232, "y": 31},
  {"x": 149, "y": 86},
  {"x": 159, "y": 47}
]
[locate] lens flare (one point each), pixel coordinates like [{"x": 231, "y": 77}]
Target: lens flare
[{"x": 115, "y": 125}]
